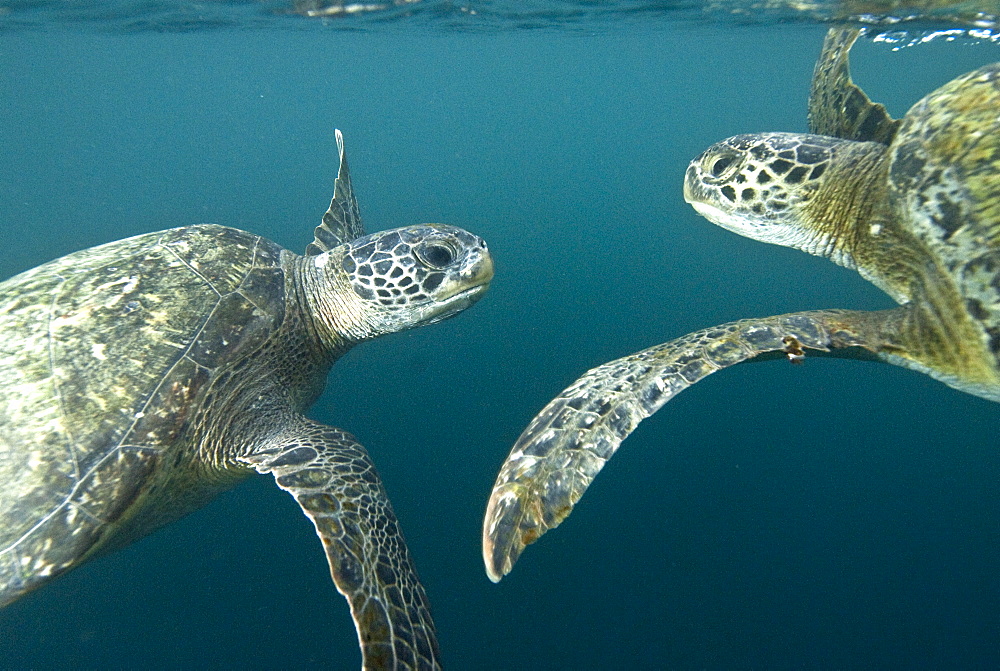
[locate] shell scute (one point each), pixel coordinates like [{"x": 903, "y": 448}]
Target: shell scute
[
  {"x": 943, "y": 183},
  {"x": 106, "y": 356},
  {"x": 944, "y": 164}
]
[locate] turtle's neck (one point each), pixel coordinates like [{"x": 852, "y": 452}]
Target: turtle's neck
[
  {"x": 846, "y": 212},
  {"x": 337, "y": 318}
]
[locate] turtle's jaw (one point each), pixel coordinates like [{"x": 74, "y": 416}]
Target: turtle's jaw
[
  {"x": 468, "y": 287},
  {"x": 707, "y": 201},
  {"x": 705, "y": 195},
  {"x": 777, "y": 232},
  {"x": 710, "y": 212},
  {"x": 453, "y": 305},
  {"x": 470, "y": 281}
]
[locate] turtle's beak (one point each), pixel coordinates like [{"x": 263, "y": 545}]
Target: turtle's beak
[
  {"x": 467, "y": 285},
  {"x": 694, "y": 190},
  {"x": 474, "y": 276}
]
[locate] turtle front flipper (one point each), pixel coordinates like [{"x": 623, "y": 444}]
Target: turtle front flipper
[
  {"x": 342, "y": 221},
  {"x": 837, "y": 106},
  {"x": 568, "y": 442},
  {"x": 332, "y": 477}
]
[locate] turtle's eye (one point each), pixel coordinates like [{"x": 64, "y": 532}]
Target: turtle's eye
[
  {"x": 721, "y": 164},
  {"x": 436, "y": 254}
]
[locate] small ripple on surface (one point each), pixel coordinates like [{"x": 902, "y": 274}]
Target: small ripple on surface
[{"x": 897, "y": 22}]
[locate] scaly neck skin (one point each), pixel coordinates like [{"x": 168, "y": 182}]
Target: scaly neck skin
[
  {"x": 330, "y": 309},
  {"x": 856, "y": 226},
  {"x": 323, "y": 319},
  {"x": 843, "y": 212}
]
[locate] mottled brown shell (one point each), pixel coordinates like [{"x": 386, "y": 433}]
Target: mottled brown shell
[
  {"x": 944, "y": 184},
  {"x": 105, "y": 358}
]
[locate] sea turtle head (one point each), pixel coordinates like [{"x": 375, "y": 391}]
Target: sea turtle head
[
  {"x": 407, "y": 277},
  {"x": 776, "y": 187}
]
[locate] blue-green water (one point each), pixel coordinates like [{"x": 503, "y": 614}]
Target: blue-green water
[{"x": 832, "y": 515}]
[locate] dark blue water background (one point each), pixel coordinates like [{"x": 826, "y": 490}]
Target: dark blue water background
[{"x": 831, "y": 515}]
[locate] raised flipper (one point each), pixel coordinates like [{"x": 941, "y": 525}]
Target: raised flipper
[
  {"x": 567, "y": 443},
  {"x": 342, "y": 222},
  {"x": 331, "y": 476},
  {"x": 837, "y": 106}
]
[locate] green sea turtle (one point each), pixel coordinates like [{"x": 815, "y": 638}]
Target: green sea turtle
[
  {"x": 140, "y": 378},
  {"x": 913, "y": 205}
]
